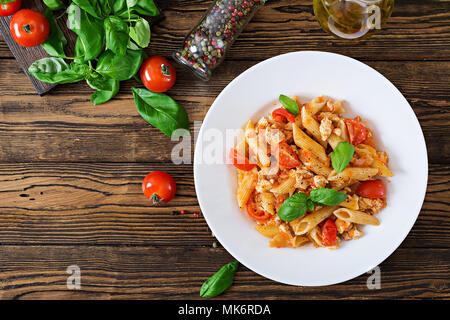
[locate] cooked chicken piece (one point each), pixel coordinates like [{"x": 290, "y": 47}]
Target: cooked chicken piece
[
  {"x": 374, "y": 205},
  {"x": 342, "y": 225},
  {"x": 303, "y": 179},
  {"x": 274, "y": 136},
  {"x": 319, "y": 182},
  {"x": 263, "y": 185},
  {"x": 326, "y": 128},
  {"x": 353, "y": 234}
]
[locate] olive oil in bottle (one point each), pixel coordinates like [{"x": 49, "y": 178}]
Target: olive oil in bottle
[{"x": 352, "y": 19}]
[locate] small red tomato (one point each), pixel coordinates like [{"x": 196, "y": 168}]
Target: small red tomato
[
  {"x": 287, "y": 157},
  {"x": 157, "y": 74},
  {"x": 280, "y": 114},
  {"x": 255, "y": 213},
  {"x": 241, "y": 162},
  {"x": 329, "y": 232},
  {"x": 29, "y": 28},
  {"x": 10, "y": 8},
  {"x": 373, "y": 189},
  {"x": 159, "y": 187},
  {"x": 356, "y": 131}
]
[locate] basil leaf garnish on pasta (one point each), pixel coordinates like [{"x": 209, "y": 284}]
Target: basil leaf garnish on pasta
[
  {"x": 294, "y": 207},
  {"x": 289, "y": 104},
  {"x": 220, "y": 281},
  {"x": 327, "y": 197},
  {"x": 341, "y": 156}
]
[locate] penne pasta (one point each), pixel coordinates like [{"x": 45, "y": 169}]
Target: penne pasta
[
  {"x": 302, "y": 140},
  {"x": 312, "y": 126},
  {"x": 305, "y": 224},
  {"x": 355, "y": 216},
  {"x": 246, "y": 184},
  {"x": 297, "y": 174},
  {"x": 285, "y": 187}
]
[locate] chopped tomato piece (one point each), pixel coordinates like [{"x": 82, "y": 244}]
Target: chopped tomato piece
[
  {"x": 241, "y": 162},
  {"x": 287, "y": 156},
  {"x": 373, "y": 189},
  {"x": 255, "y": 213},
  {"x": 356, "y": 131},
  {"x": 329, "y": 232},
  {"x": 281, "y": 114}
]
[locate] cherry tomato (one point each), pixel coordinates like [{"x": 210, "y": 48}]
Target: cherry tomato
[
  {"x": 329, "y": 232},
  {"x": 286, "y": 156},
  {"x": 373, "y": 189},
  {"x": 280, "y": 114},
  {"x": 356, "y": 131},
  {"x": 159, "y": 187},
  {"x": 255, "y": 213},
  {"x": 29, "y": 28},
  {"x": 157, "y": 74},
  {"x": 10, "y": 8},
  {"x": 241, "y": 162}
]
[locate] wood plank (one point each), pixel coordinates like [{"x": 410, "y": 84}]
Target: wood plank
[
  {"x": 102, "y": 204},
  {"x": 417, "y": 30},
  {"x": 64, "y": 126},
  {"x": 35, "y": 272}
]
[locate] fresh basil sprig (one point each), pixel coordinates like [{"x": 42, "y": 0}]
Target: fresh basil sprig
[
  {"x": 296, "y": 205},
  {"x": 341, "y": 156},
  {"x": 327, "y": 197},
  {"x": 161, "y": 111},
  {"x": 220, "y": 281},
  {"x": 289, "y": 104}
]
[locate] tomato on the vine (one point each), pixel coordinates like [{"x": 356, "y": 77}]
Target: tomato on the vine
[
  {"x": 159, "y": 187},
  {"x": 10, "y": 8},
  {"x": 29, "y": 28},
  {"x": 157, "y": 74}
]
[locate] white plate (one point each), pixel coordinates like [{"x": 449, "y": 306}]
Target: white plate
[{"x": 309, "y": 74}]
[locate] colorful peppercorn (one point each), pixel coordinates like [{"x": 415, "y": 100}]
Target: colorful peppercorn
[
  {"x": 205, "y": 47},
  {"x": 182, "y": 211}
]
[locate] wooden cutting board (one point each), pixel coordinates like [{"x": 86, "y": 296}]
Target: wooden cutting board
[{"x": 26, "y": 56}]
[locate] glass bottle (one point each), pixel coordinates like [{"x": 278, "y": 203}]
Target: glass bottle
[
  {"x": 352, "y": 19},
  {"x": 206, "y": 45}
]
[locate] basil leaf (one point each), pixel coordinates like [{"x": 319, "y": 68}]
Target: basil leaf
[
  {"x": 56, "y": 70},
  {"x": 289, "y": 104},
  {"x": 120, "y": 67},
  {"x": 220, "y": 281},
  {"x": 140, "y": 33},
  {"x": 294, "y": 207},
  {"x": 116, "y": 35},
  {"x": 90, "y": 31},
  {"x": 102, "y": 96},
  {"x": 54, "y": 4},
  {"x": 341, "y": 156},
  {"x": 160, "y": 110},
  {"x": 98, "y": 9},
  {"x": 6, "y": 1},
  {"x": 143, "y": 7},
  {"x": 98, "y": 82},
  {"x": 327, "y": 197},
  {"x": 56, "y": 41}
]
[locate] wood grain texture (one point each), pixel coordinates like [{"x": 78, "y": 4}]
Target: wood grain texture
[
  {"x": 70, "y": 173},
  {"x": 64, "y": 126},
  {"x": 177, "y": 273},
  {"x": 102, "y": 204},
  {"x": 417, "y": 30}
]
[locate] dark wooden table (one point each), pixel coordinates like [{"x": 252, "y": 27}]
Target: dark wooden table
[{"x": 70, "y": 173}]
